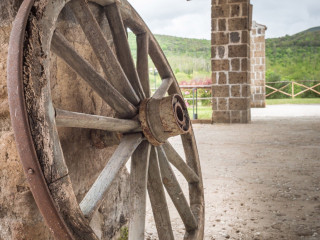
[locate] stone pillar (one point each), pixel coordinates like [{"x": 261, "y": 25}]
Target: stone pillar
[
  {"x": 258, "y": 66},
  {"x": 231, "y": 61}
]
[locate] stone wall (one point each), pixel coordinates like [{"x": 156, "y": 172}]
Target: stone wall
[
  {"x": 258, "y": 66},
  {"x": 19, "y": 215},
  {"x": 231, "y": 20}
]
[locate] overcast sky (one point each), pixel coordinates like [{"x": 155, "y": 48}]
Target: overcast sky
[{"x": 192, "y": 18}]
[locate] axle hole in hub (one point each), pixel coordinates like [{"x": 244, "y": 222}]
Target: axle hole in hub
[{"x": 180, "y": 114}]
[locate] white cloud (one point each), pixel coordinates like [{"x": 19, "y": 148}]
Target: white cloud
[
  {"x": 176, "y": 17},
  {"x": 286, "y": 16},
  {"x": 193, "y": 18}
]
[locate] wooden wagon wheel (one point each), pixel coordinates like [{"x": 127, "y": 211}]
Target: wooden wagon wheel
[{"x": 145, "y": 121}]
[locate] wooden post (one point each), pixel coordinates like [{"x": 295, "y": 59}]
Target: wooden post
[{"x": 292, "y": 90}]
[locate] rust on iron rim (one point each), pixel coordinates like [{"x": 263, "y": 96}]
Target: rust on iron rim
[{"x": 20, "y": 124}]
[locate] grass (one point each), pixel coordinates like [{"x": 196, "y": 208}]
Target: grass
[
  {"x": 124, "y": 233},
  {"x": 293, "y": 101},
  {"x": 204, "y": 112}
]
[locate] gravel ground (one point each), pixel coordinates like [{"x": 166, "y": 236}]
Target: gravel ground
[{"x": 261, "y": 179}]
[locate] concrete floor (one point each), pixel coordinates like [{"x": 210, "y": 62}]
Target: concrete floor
[{"x": 261, "y": 179}]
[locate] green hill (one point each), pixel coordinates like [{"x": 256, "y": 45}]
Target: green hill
[
  {"x": 314, "y": 29},
  {"x": 189, "y": 58},
  {"x": 294, "y": 57}
]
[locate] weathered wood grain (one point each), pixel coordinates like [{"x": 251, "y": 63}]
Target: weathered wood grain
[
  {"x": 175, "y": 192},
  {"x": 180, "y": 164},
  {"x": 123, "y": 48},
  {"x": 103, "y": 88},
  {"x": 80, "y": 120},
  {"x": 163, "y": 88},
  {"x": 142, "y": 61},
  {"x": 108, "y": 61},
  {"x": 138, "y": 190},
  {"x": 99, "y": 189},
  {"x": 158, "y": 199}
]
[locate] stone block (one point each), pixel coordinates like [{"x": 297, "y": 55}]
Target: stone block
[
  {"x": 235, "y": 24},
  {"x": 214, "y": 77},
  {"x": 259, "y": 97},
  {"x": 221, "y": 117},
  {"x": 235, "y": 117},
  {"x": 220, "y": 38},
  {"x": 220, "y": 91},
  {"x": 245, "y": 65},
  {"x": 213, "y": 52},
  {"x": 245, "y": 36},
  {"x": 214, "y": 104},
  {"x": 222, "y": 24},
  {"x": 238, "y": 77},
  {"x": 245, "y": 91},
  {"x": 222, "y": 2},
  {"x": 245, "y": 9},
  {"x": 258, "y": 68},
  {"x": 221, "y": 11},
  {"x": 222, "y": 104},
  {"x": 214, "y": 25},
  {"x": 235, "y": 10},
  {"x": 221, "y": 51},
  {"x": 259, "y": 39},
  {"x": 222, "y": 78},
  {"x": 238, "y": 51},
  {"x": 257, "y": 89},
  {"x": 220, "y": 65},
  {"x": 259, "y": 54},
  {"x": 235, "y": 91},
  {"x": 235, "y": 64},
  {"x": 239, "y": 103},
  {"x": 234, "y": 37}
]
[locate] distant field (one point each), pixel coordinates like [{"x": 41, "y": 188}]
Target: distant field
[{"x": 293, "y": 101}]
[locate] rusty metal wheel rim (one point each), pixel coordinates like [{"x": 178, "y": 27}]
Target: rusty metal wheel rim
[{"x": 25, "y": 142}]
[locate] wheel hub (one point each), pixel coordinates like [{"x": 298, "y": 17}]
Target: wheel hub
[{"x": 163, "y": 118}]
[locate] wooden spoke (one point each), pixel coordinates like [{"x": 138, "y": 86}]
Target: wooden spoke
[
  {"x": 162, "y": 65},
  {"x": 173, "y": 188},
  {"x": 180, "y": 164},
  {"x": 104, "y": 89},
  {"x": 123, "y": 48},
  {"x": 142, "y": 62},
  {"x": 81, "y": 120},
  {"x": 97, "y": 192},
  {"x": 163, "y": 89},
  {"x": 122, "y": 87},
  {"x": 158, "y": 199},
  {"x": 107, "y": 59},
  {"x": 138, "y": 190}
]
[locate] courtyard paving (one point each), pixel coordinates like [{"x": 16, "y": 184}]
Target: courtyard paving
[{"x": 262, "y": 180}]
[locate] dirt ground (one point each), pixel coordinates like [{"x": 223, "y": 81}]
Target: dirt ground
[{"x": 262, "y": 179}]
